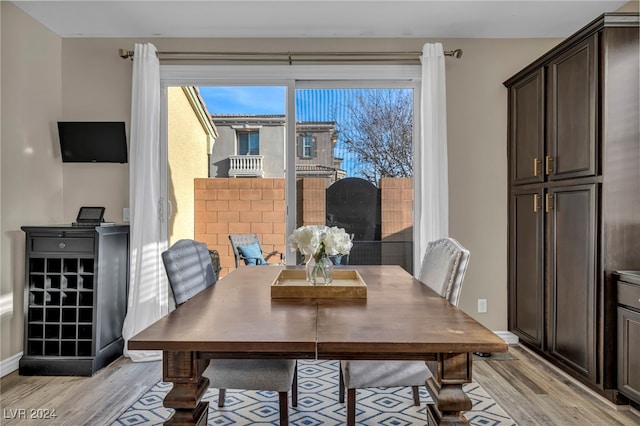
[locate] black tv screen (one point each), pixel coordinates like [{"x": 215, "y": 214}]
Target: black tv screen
[{"x": 92, "y": 142}]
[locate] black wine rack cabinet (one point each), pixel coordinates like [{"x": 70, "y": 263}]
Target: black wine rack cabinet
[{"x": 75, "y": 298}]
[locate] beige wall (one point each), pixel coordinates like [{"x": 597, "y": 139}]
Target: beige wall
[
  {"x": 31, "y": 170},
  {"x": 477, "y": 133},
  {"x": 96, "y": 86},
  {"x": 188, "y": 160},
  {"x": 477, "y": 115},
  {"x": 85, "y": 79}
]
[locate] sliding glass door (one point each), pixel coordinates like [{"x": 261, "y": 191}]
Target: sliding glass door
[
  {"x": 338, "y": 152},
  {"x": 354, "y": 166}
]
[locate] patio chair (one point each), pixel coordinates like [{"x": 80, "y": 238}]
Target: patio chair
[
  {"x": 443, "y": 268},
  {"x": 247, "y": 248},
  {"x": 190, "y": 271}
]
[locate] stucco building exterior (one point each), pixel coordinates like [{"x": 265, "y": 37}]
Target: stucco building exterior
[
  {"x": 191, "y": 137},
  {"x": 255, "y": 146}
]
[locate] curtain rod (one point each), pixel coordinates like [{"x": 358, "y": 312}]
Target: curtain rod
[{"x": 291, "y": 57}]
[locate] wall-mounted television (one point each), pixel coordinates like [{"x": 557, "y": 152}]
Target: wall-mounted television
[{"x": 93, "y": 141}]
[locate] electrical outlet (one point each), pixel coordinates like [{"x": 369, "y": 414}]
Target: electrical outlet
[
  {"x": 125, "y": 214},
  {"x": 482, "y": 306}
]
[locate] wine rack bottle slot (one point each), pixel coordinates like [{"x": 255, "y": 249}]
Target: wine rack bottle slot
[
  {"x": 70, "y": 266},
  {"x": 69, "y": 316},
  {"x": 36, "y": 331},
  {"x": 36, "y": 315},
  {"x": 70, "y": 281},
  {"x": 69, "y": 298},
  {"x": 54, "y": 265},
  {"x": 85, "y": 315},
  {"x": 36, "y": 265},
  {"x": 36, "y": 281},
  {"x": 51, "y": 348},
  {"x": 52, "y": 315}
]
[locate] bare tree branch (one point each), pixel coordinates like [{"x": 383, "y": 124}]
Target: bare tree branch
[{"x": 378, "y": 129}]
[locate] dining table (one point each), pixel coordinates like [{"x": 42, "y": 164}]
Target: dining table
[{"x": 400, "y": 318}]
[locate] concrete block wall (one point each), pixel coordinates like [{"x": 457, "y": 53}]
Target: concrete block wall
[
  {"x": 312, "y": 205},
  {"x": 225, "y": 206},
  {"x": 396, "y": 204}
]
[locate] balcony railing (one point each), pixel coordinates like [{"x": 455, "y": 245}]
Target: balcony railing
[{"x": 246, "y": 165}]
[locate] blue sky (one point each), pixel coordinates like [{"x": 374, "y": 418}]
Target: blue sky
[{"x": 244, "y": 99}]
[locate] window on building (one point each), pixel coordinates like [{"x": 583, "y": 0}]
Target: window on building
[
  {"x": 248, "y": 143},
  {"x": 307, "y": 146}
]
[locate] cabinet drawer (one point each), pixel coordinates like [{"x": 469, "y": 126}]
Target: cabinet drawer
[
  {"x": 629, "y": 295},
  {"x": 62, "y": 245}
]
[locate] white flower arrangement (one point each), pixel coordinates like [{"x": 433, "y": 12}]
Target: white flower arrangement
[{"x": 320, "y": 240}]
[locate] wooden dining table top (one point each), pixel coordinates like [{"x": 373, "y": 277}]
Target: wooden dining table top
[{"x": 401, "y": 318}]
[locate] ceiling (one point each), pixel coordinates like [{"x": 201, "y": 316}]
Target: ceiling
[{"x": 317, "y": 18}]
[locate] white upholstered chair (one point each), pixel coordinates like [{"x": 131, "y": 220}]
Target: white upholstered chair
[
  {"x": 189, "y": 269},
  {"x": 443, "y": 268}
]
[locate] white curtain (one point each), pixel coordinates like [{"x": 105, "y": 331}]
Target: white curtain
[
  {"x": 148, "y": 293},
  {"x": 431, "y": 171}
]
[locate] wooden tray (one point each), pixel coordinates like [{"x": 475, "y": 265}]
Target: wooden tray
[{"x": 292, "y": 284}]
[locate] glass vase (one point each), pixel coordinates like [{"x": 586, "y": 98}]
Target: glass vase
[{"x": 319, "y": 270}]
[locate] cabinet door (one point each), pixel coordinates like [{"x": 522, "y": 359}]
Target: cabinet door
[
  {"x": 572, "y": 121},
  {"x": 571, "y": 276},
  {"x": 526, "y": 129},
  {"x": 526, "y": 291},
  {"x": 629, "y": 353}
]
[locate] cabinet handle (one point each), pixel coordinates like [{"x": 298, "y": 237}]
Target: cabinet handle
[
  {"x": 548, "y": 205},
  {"x": 536, "y": 203},
  {"x": 548, "y": 167},
  {"x": 62, "y": 245},
  {"x": 536, "y": 166}
]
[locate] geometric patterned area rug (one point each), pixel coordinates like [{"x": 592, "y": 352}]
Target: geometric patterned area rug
[{"x": 317, "y": 404}]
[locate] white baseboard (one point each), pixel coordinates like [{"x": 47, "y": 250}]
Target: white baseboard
[
  {"x": 508, "y": 337},
  {"x": 10, "y": 364}
]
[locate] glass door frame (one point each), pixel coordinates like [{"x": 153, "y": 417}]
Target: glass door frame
[{"x": 292, "y": 77}]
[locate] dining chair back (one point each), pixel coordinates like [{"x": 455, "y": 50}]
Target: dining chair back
[
  {"x": 190, "y": 271},
  {"x": 443, "y": 268}
]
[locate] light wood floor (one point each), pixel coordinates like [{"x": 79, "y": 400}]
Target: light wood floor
[{"x": 532, "y": 393}]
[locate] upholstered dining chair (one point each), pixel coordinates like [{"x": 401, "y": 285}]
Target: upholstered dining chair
[
  {"x": 443, "y": 268},
  {"x": 190, "y": 271},
  {"x": 247, "y": 248}
]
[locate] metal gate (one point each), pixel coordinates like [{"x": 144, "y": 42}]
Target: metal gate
[{"x": 354, "y": 204}]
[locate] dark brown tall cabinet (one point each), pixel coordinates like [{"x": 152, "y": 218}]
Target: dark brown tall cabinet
[{"x": 574, "y": 195}]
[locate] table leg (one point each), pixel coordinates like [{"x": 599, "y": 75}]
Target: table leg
[
  {"x": 184, "y": 370},
  {"x": 450, "y": 372}
]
